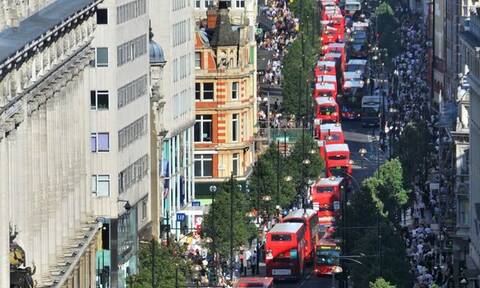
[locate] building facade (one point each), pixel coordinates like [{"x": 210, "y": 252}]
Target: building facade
[
  {"x": 120, "y": 134},
  {"x": 172, "y": 27},
  {"x": 470, "y": 47},
  {"x": 225, "y": 94},
  {"x": 49, "y": 230}
]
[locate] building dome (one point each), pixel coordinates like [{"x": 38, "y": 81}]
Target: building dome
[{"x": 157, "y": 56}]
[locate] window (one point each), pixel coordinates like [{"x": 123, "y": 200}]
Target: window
[
  {"x": 99, "y": 142},
  {"x": 240, "y": 3},
  {"x": 144, "y": 209},
  {"x": 234, "y": 127},
  {"x": 203, "y": 165},
  {"x": 234, "y": 90},
  {"x": 132, "y": 132},
  {"x": 131, "y": 10},
  {"x": 102, "y": 16},
  {"x": 99, "y": 100},
  {"x": 197, "y": 3},
  {"x": 101, "y": 185},
  {"x": 131, "y": 50},
  {"x": 198, "y": 62},
  {"x": 203, "y": 128},
  {"x": 133, "y": 174},
  {"x": 207, "y": 91},
  {"x": 132, "y": 91},
  {"x": 208, "y": 3},
  {"x": 235, "y": 161},
  {"x": 102, "y": 57},
  {"x": 198, "y": 91},
  {"x": 281, "y": 237}
]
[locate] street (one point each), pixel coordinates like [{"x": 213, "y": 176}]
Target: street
[{"x": 357, "y": 137}]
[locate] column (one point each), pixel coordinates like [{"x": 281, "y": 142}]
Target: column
[
  {"x": 54, "y": 203},
  {"x": 4, "y": 208},
  {"x": 43, "y": 188}
]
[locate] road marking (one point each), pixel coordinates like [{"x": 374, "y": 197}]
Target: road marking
[{"x": 305, "y": 280}]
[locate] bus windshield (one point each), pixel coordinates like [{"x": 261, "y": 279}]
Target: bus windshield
[
  {"x": 281, "y": 237},
  {"x": 370, "y": 111},
  {"x": 328, "y": 257},
  {"x": 324, "y": 189},
  {"x": 338, "y": 171},
  {"x": 337, "y": 157},
  {"x": 327, "y": 110}
]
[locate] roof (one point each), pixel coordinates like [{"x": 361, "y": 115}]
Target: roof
[
  {"x": 336, "y": 45},
  {"x": 326, "y": 63},
  {"x": 263, "y": 55},
  {"x": 332, "y": 127},
  {"x": 289, "y": 227},
  {"x": 325, "y": 100},
  {"x": 324, "y": 86},
  {"x": 331, "y": 181},
  {"x": 351, "y": 75},
  {"x": 298, "y": 213},
  {"x": 336, "y": 148},
  {"x": 327, "y": 78},
  {"x": 333, "y": 54},
  {"x": 223, "y": 35},
  {"x": 15, "y": 38},
  {"x": 156, "y": 53},
  {"x": 353, "y": 84},
  {"x": 357, "y": 62}
]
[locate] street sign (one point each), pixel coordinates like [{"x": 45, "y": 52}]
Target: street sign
[
  {"x": 195, "y": 203},
  {"x": 336, "y": 205},
  {"x": 181, "y": 217}
]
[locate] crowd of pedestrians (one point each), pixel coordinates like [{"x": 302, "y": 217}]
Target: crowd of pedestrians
[
  {"x": 282, "y": 33},
  {"x": 410, "y": 97}
]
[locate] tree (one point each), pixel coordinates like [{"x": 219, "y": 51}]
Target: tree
[
  {"x": 305, "y": 148},
  {"x": 268, "y": 179},
  {"x": 412, "y": 149},
  {"x": 381, "y": 283},
  {"x": 166, "y": 264},
  {"x": 387, "y": 24},
  {"x": 218, "y": 227}
]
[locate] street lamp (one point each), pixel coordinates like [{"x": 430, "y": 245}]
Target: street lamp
[
  {"x": 335, "y": 270},
  {"x": 288, "y": 178},
  {"x": 213, "y": 189},
  {"x": 306, "y": 162},
  {"x": 362, "y": 151}
]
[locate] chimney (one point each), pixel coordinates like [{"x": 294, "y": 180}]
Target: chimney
[{"x": 212, "y": 14}]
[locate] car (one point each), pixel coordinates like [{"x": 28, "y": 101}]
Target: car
[{"x": 349, "y": 113}]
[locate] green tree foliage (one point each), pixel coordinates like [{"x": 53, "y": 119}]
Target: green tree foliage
[
  {"x": 166, "y": 262},
  {"x": 374, "y": 206},
  {"x": 381, "y": 283},
  {"x": 412, "y": 149},
  {"x": 218, "y": 227},
  {"x": 268, "y": 179},
  {"x": 296, "y": 90},
  {"x": 305, "y": 148},
  {"x": 386, "y": 26}
]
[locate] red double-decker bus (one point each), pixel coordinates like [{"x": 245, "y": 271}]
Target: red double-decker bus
[
  {"x": 337, "y": 160},
  {"x": 255, "y": 282},
  {"x": 327, "y": 256},
  {"x": 332, "y": 133},
  {"x": 285, "y": 247},
  {"x": 326, "y": 194},
  {"x": 326, "y": 110},
  {"x": 310, "y": 219}
]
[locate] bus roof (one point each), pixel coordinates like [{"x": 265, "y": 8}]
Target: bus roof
[
  {"x": 351, "y": 75},
  {"x": 357, "y": 62},
  {"x": 289, "y": 227},
  {"x": 353, "y": 84},
  {"x": 325, "y": 100},
  {"x": 331, "y": 181},
  {"x": 333, "y": 54},
  {"x": 324, "y": 86},
  {"x": 336, "y": 148},
  {"x": 254, "y": 282},
  {"x": 327, "y": 78},
  {"x": 337, "y": 45},
  {"x": 299, "y": 213},
  {"x": 333, "y": 127},
  {"x": 326, "y": 63}
]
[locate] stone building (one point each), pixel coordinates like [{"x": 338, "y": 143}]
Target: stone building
[
  {"x": 469, "y": 49},
  {"x": 48, "y": 217},
  {"x": 172, "y": 27},
  {"x": 225, "y": 94}
]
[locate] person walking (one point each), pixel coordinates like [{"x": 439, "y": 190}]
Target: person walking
[{"x": 253, "y": 262}]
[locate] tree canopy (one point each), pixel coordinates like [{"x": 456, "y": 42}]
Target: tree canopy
[
  {"x": 216, "y": 224},
  {"x": 381, "y": 283}
]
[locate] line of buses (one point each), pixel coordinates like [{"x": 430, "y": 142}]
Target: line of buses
[{"x": 307, "y": 236}]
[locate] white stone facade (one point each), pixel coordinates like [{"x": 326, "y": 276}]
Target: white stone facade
[
  {"x": 44, "y": 164},
  {"x": 173, "y": 26}
]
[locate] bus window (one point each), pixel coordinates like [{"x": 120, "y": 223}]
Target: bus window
[
  {"x": 337, "y": 157},
  {"x": 324, "y": 189},
  {"x": 328, "y": 110},
  {"x": 281, "y": 237}
]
